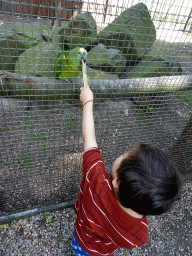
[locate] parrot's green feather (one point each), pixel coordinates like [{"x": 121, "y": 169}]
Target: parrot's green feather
[{"x": 69, "y": 63}]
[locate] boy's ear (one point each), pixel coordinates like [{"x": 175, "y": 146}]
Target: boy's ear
[{"x": 116, "y": 183}]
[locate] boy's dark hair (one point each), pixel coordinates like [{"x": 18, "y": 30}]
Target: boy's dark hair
[{"x": 149, "y": 181}]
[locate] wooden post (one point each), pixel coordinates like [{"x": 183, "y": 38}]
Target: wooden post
[
  {"x": 118, "y": 87},
  {"x": 187, "y": 20},
  {"x": 84, "y": 74}
]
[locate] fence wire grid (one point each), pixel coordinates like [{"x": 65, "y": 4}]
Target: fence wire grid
[{"x": 139, "y": 66}]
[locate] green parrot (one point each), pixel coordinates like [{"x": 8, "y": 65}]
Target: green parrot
[{"x": 69, "y": 63}]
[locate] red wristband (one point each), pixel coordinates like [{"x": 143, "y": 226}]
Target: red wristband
[{"x": 87, "y": 102}]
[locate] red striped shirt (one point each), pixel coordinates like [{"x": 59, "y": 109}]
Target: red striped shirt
[{"x": 102, "y": 225}]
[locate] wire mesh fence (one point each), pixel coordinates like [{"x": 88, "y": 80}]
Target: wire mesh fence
[{"x": 138, "y": 65}]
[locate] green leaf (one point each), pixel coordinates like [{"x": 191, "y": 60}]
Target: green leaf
[
  {"x": 60, "y": 235},
  {"x": 41, "y": 227},
  {"x": 48, "y": 219},
  {"x": 34, "y": 242},
  {"x": 35, "y": 234},
  {"x": 2, "y": 226}
]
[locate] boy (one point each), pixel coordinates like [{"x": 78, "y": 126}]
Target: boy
[{"x": 111, "y": 212}]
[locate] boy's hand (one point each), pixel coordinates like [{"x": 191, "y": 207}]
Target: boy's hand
[{"x": 86, "y": 94}]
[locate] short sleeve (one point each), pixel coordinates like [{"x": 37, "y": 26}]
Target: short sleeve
[{"x": 90, "y": 157}]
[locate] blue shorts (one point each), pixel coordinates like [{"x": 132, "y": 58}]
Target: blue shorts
[{"x": 77, "y": 249}]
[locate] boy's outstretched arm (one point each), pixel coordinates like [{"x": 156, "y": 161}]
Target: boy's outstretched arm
[{"x": 88, "y": 127}]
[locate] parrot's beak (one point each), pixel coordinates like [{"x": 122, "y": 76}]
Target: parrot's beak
[{"x": 84, "y": 56}]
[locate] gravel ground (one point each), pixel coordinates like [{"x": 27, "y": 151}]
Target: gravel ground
[{"x": 51, "y": 233}]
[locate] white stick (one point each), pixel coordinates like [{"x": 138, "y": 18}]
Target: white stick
[{"x": 84, "y": 74}]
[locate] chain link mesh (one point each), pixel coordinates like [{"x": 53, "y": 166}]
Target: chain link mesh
[{"x": 139, "y": 68}]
